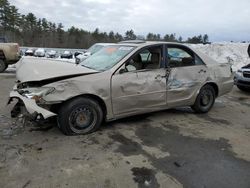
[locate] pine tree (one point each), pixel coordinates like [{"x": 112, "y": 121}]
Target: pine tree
[{"x": 130, "y": 35}]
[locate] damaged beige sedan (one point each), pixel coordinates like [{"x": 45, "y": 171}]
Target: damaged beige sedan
[{"x": 120, "y": 80}]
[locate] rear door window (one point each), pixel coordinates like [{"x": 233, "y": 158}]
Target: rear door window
[{"x": 181, "y": 57}]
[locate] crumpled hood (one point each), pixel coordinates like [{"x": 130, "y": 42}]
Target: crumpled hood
[{"x": 37, "y": 69}]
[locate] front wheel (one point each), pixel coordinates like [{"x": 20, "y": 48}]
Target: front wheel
[
  {"x": 79, "y": 116},
  {"x": 205, "y": 99}
]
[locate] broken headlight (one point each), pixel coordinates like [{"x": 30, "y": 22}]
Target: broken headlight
[{"x": 36, "y": 93}]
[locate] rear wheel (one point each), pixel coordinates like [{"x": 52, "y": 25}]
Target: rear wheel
[
  {"x": 3, "y": 66},
  {"x": 80, "y": 116},
  {"x": 205, "y": 99}
]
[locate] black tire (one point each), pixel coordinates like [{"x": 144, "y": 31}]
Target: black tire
[
  {"x": 3, "y": 66},
  {"x": 205, "y": 99},
  {"x": 79, "y": 116},
  {"x": 242, "y": 88}
]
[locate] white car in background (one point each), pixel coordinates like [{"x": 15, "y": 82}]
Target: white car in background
[
  {"x": 52, "y": 54},
  {"x": 93, "y": 49},
  {"x": 40, "y": 52},
  {"x": 29, "y": 52},
  {"x": 67, "y": 55}
]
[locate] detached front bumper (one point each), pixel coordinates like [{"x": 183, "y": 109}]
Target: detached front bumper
[{"x": 32, "y": 108}]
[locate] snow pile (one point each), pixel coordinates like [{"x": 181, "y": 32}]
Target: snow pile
[
  {"x": 11, "y": 69},
  {"x": 234, "y": 53}
]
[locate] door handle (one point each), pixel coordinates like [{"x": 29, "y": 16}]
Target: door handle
[
  {"x": 202, "y": 70},
  {"x": 160, "y": 76}
]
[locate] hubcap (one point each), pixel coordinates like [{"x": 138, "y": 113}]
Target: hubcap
[{"x": 205, "y": 100}]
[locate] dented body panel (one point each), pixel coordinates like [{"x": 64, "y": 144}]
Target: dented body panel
[
  {"x": 120, "y": 94},
  {"x": 138, "y": 91},
  {"x": 184, "y": 84}
]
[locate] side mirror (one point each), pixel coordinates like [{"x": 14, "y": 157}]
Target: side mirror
[{"x": 122, "y": 70}]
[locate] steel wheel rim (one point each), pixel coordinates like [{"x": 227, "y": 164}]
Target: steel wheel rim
[
  {"x": 206, "y": 98},
  {"x": 82, "y": 119}
]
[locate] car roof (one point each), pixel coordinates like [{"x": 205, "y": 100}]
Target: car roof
[
  {"x": 104, "y": 44},
  {"x": 141, "y": 43}
]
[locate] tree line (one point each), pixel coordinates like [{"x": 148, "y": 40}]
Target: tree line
[{"x": 28, "y": 30}]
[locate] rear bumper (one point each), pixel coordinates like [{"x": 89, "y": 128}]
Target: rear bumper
[{"x": 33, "y": 110}]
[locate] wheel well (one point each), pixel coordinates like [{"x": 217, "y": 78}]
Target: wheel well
[
  {"x": 54, "y": 108},
  {"x": 96, "y": 98},
  {"x": 2, "y": 56},
  {"x": 216, "y": 88},
  {"x": 99, "y": 100}
]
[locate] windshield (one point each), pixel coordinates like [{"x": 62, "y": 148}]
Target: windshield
[
  {"x": 107, "y": 57},
  {"x": 93, "y": 49}
]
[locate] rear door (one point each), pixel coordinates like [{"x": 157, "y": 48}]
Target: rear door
[{"x": 187, "y": 74}]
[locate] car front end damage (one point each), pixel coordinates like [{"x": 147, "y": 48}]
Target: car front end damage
[
  {"x": 38, "y": 90},
  {"x": 29, "y": 103}
]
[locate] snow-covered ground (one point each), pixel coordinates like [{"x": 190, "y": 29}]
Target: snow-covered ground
[{"x": 235, "y": 53}]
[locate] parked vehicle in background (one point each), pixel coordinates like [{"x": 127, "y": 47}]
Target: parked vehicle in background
[
  {"x": 52, "y": 54},
  {"x": 120, "y": 80},
  {"x": 67, "y": 55},
  {"x": 29, "y": 52},
  {"x": 242, "y": 78},
  {"x": 9, "y": 54},
  {"x": 40, "y": 52},
  {"x": 93, "y": 49},
  {"x": 3, "y": 40}
]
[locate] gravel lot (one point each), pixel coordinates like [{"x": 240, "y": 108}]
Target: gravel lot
[{"x": 173, "y": 148}]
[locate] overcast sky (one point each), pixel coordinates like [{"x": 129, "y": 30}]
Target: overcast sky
[{"x": 222, "y": 20}]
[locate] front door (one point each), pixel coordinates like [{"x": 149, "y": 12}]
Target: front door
[{"x": 140, "y": 85}]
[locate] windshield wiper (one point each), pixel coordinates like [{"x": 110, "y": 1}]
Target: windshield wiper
[{"x": 87, "y": 67}]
